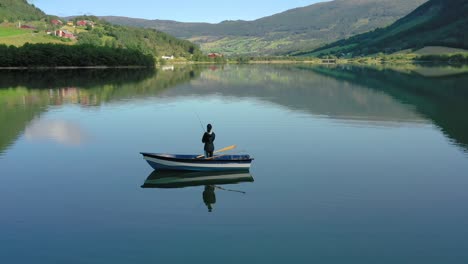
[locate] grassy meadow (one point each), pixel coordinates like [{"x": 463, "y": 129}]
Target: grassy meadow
[
  {"x": 8, "y": 32},
  {"x": 18, "y": 37},
  {"x": 438, "y": 50}
]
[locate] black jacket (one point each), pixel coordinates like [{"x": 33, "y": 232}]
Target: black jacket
[{"x": 208, "y": 140}]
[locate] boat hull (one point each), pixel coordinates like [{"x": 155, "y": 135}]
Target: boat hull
[{"x": 191, "y": 163}]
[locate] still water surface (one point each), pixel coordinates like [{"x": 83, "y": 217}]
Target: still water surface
[{"x": 352, "y": 165}]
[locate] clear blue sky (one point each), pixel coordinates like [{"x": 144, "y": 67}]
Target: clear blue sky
[{"x": 179, "y": 10}]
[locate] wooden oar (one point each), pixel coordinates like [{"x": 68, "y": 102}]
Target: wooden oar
[
  {"x": 220, "y": 150},
  {"x": 214, "y": 157}
]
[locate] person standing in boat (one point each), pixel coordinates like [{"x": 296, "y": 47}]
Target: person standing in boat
[{"x": 208, "y": 138}]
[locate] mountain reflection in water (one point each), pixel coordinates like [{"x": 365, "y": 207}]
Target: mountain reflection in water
[
  {"x": 352, "y": 165},
  {"x": 26, "y": 95},
  {"x": 370, "y": 96},
  {"x": 441, "y": 99}
]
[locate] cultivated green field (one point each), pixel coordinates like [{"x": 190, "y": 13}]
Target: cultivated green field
[
  {"x": 7, "y": 31},
  {"x": 438, "y": 50},
  {"x": 18, "y": 37}
]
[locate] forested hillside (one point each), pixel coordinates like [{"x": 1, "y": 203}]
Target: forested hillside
[
  {"x": 14, "y": 10},
  {"x": 302, "y": 28},
  {"x": 149, "y": 41},
  {"x": 436, "y": 23},
  {"x": 37, "y": 27}
]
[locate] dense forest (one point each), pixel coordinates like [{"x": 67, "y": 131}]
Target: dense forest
[
  {"x": 53, "y": 55},
  {"x": 436, "y": 23}
]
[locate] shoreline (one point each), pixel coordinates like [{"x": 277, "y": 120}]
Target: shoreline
[
  {"x": 313, "y": 62},
  {"x": 72, "y": 67}
]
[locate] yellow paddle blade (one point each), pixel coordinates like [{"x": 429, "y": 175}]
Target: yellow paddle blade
[
  {"x": 225, "y": 149},
  {"x": 220, "y": 150}
]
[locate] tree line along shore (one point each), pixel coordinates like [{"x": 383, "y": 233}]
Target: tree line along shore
[
  {"x": 55, "y": 55},
  {"x": 82, "y": 56}
]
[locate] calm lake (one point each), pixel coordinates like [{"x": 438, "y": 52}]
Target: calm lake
[{"x": 352, "y": 165}]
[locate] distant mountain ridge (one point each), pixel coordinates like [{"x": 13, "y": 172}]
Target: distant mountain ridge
[
  {"x": 296, "y": 29},
  {"x": 435, "y": 23}
]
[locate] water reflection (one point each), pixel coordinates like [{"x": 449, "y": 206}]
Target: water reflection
[
  {"x": 371, "y": 96},
  {"x": 209, "y": 197},
  {"x": 343, "y": 180},
  {"x": 300, "y": 89},
  {"x": 441, "y": 99},
  {"x": 62, "y": 131},
  {"x": 26, "y": 95},
  {"x": 211, "y": 181}
]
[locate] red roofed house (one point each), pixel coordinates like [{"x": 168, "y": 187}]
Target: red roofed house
[
  {"x": 85, "y": 23},
  {"x": 27, "y": 27},
  {"x": 64, "y": 34},
  {"x": 215, "y": 55},
  {"x": 56, "y": 22}
]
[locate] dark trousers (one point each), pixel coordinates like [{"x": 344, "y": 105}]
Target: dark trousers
[{"x": 208, "y": 154}]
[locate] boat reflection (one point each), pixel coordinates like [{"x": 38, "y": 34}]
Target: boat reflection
[{"x": 210, "y": 180}]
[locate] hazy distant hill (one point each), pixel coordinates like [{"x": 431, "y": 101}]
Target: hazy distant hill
[
  {"x": 13, "y": 10},
  {"x": 436, "y": 23},
  {"x": 296, "y": 29}
]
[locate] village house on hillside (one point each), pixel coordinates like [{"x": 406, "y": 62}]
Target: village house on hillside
[
  {"x": 56, "y": 22},
  {"x": 64, "y": 34},
  {"x": 27, "y": 27},
  {"x": 215, "y": 55},
  {"x": 84, "y": 23},
  {"x": 70, "y": 23}
]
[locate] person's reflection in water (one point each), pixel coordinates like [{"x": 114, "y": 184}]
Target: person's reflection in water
[{"x": 209, "y": 197}]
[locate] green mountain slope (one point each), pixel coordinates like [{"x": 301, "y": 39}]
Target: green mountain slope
[
  {"x": 297, "y": 29},
  {"x": 13, "y": 10},
  {"x": 149, "y": 41},
  {"x": 436, "y": 23}
]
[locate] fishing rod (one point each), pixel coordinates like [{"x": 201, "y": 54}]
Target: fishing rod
[
  {"x": 199, "y": 120},
  {"x": 229, "y": 190}
]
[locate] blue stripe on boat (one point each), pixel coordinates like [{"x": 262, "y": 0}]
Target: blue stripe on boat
[{"x": 190, "y": 162}]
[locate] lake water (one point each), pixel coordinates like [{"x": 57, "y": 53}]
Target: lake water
[{"x": 352, "y": 165}]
